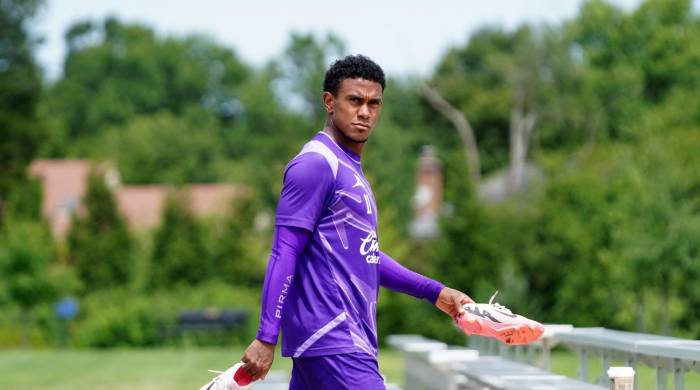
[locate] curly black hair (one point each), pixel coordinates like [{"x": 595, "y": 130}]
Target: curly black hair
[{"x": 352, "y": 67}]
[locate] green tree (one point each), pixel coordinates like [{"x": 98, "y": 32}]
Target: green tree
[
  {"x": 390, "y": 156},
  {"x": 466, "y": 256},
  {"x": 180, "y": 253},
  {"x": 302, "y": 70},
  {"x": 618, "y": 215},
  {"x": 114, "y": 72},
  {"x": 266, "y": 137},
  {"x": 658, "y": 243},
  {"x": 235, "y": 245},
  {"x": 99, "y": 243},
  {"x": 502, "y": 78},
  {"x": 20, "y": 89},
  {"x": 26, "y": 250},
  {"x": 283, "y": 110},
  {"x": 163, "y": 148},
  {"x": 634, "y": 59}
]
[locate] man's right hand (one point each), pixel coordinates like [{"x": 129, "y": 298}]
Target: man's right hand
[
  {"x": 258, "y": 359},
  {"x": 451, "y": 301}
]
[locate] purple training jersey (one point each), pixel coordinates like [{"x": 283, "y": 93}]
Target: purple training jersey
[
  {"x": 325, "y": 266},
  {"x": 330, "y": 306}
]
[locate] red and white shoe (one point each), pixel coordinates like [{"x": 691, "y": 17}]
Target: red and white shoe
[
  {"x": 497, "y": 321},
  {"x": 231, "y": 379}
]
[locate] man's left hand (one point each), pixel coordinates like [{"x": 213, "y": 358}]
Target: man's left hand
[{"x": 451, "y": 301}]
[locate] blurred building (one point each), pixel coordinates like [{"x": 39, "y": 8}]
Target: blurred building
[
  {"x": 427, "y": 200},
  {"x": 64, "y": 184},
  {"x": 497, "y": 188}
]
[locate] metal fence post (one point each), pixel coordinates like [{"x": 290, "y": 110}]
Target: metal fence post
[
  {"x": 632, "y": 362},
  {"x": 583, "y": 364},
  {"x": 678, "y": 374},
  {"x": 605, "y": 361},
  {"x": 660, "y": 376},
  {"x": 546, "y": 355}
]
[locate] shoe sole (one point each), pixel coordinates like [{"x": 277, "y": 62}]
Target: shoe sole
[{"x": 515, "y": 334}]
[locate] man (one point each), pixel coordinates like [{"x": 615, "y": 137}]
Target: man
[{"x": 326, "y": 267}]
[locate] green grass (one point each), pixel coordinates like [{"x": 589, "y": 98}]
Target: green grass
[
  {"x": 133, "y": 368},
  {"x": 114, "y": 369},
  {"x": 187, "y": 368}
]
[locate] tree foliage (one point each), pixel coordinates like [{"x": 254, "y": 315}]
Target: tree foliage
[
  {"x": 302, "y": 69},
  {"x": 20, "y": 91},
  {"x": 236, "y": 257},
  {"x": 607, "y": 238},
  {"x": 26, "y": 251},
  {"x": 180, "y": 254},
  {"x": 165, "y": 148},
  {"x": 114, "y": 72},
  {"x": 99, "y": 244}
]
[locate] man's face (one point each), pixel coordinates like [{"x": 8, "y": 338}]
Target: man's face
[{"x": 355, "y": 108}]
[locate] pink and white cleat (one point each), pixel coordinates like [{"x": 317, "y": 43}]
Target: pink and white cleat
[
  {"x": 231, "y": 379},
  {"x": 497, "y": 321}
]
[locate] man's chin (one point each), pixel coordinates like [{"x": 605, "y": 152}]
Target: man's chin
[
  {"x": 360, "y": 138},
  {"x": 354, "y": 137},
  {"x": 359, "y": 141}
]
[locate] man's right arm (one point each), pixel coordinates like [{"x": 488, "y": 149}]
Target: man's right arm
[
  {"x": 308, "y": 184},
  {"x": 288, "y": 243}
]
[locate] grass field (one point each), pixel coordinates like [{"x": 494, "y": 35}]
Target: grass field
[
  {"x": 133, "y": 368},
  {"x": 187, "y": 368}
]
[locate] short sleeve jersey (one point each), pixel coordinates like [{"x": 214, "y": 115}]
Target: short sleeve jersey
[{"x": 330, "y": 307}]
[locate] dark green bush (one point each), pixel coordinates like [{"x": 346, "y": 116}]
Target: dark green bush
[{"x": 116, "y": 318}]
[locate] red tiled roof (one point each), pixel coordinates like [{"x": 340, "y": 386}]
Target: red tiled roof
[
  {"x": 142, "y": 205},
  {"x": 206, "y": 199},
  {"x": 65, "y": 183}
]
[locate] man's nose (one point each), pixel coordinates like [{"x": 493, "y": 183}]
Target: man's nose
[{"x": 364, "y": 111}]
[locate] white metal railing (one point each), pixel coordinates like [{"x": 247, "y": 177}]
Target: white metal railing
[{"x": 664, "y": 354}]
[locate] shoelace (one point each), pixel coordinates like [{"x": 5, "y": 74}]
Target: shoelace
[
  {"x": 498, "y": 305},
  {"x": 215, "y": 379}
]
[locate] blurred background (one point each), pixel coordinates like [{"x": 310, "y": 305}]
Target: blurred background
[{"x": 547, "y": 149}]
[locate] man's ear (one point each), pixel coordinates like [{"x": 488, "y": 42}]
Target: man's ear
[{"x": 328, "y": 101}]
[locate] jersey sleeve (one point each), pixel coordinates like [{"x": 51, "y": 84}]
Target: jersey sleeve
[
  {"x": 287, "y": 244},
  {"x": 308, "y": 186},
  {"x": 396, "y": 277}
]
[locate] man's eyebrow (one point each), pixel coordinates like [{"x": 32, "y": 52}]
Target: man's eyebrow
[{"x": 358, "y": 95}]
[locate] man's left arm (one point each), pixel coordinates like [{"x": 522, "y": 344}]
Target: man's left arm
[{"x": 396, "y": 277}]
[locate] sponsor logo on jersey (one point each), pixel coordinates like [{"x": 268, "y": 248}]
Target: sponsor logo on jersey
[
  {"x": 283, "y": 295},
  {"x": 370, "y": 248}
]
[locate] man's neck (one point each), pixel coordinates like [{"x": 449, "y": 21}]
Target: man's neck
[{"x": 341, "y": 139}]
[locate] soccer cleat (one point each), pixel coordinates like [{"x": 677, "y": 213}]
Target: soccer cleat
[
  {"x": 497, "y": 321},
  {"x": 231, "y": 379}
]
